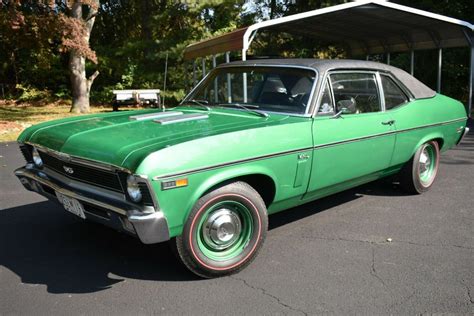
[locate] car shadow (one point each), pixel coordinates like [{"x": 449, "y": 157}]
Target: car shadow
[
  {"x": 44, "y": 245},
  {"x": 383, "y": 187}
]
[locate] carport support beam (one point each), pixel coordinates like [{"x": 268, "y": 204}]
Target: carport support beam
[
  {"x": 470, "y": 40},
  {"x": 203, "y": 67},
  {"x": 214, "y": 64},
  {"x": 194, "y": 73},
  {"x": 244, "y": 76},
  {"x": 229, "y": 84},
  {"x": 388, "y": 58},
  {"x": 440, "y": 64},
  {"x": 471, "y": 77},
  {"x": 412, "y": 62}
]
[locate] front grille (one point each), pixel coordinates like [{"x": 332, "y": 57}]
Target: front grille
[
  {"x": 26, "y": 151},
  {"x": 102, "y": 178},
  {"x": 48, "y": 189},
  {"x": 96, "y": 210},
  {"x": 146, "y": 197}
]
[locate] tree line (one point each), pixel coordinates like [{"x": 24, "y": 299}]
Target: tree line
[{"x": 83, "y": 49}]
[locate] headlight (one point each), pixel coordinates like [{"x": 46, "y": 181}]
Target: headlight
[
  {"x": 36, "y": 158},
  {"x": 133, "y": 189}
]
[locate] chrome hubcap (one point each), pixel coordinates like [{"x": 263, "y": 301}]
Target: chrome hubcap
[
  {"x": 425, "y": 161},
  {"x": 222, "y": 229}
]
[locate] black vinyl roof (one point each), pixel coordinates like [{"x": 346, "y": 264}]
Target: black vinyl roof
[{"x": 418, "y": 89}]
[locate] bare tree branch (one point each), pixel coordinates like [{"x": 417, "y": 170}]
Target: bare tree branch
[
  {"x": 91, "y": 79},
  {"x": 91, "y": 15}
]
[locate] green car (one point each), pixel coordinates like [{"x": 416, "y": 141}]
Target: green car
[{"x": 251, "y": 139}]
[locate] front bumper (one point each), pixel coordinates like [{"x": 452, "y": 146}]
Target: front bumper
[{"x": 102, "y": 206}]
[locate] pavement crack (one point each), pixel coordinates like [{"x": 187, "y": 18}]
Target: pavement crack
[
  {"x": 264, "y": 292},
  {"x": 342, "y": 239},
  {"x": 432, "y": 245},
  {"x": 373, "y": 272},
  {"x": 385, "y": 242}
]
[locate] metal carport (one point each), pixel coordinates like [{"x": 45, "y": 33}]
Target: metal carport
[{"x": 362, "y": 28}]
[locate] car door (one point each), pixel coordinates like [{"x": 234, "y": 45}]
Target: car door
[{"x": 353, "y": 136}]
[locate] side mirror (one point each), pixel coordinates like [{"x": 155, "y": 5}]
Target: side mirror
[{"x": 342, "y": 111}]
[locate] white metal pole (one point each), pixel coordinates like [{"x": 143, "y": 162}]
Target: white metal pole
[
  {"x": 440, "y": 64},
  {"x": 244, "y": 75},
  {"x": 412, "y": 62},
  {"x": 214, "y": 64},
  {"x": 470, "y": 41},
  {"x": 164, "y": 83},
  {"x": 194, "y": 73},
  {"x": 471, "y": 78},
  {"x": 229, "y": 84},
  {"x": 388, "y": 58},
  {"x": 203, "y": 67}
]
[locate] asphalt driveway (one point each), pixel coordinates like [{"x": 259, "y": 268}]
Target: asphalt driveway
[{"x": 331, "y": 255}]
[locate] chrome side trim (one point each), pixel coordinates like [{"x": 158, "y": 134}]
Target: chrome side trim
[
  {"x": 191, "y": 171},
  {"x": 387, "y": 133},
  {"x": 150, "y": 116},
  {"x": 353, "y": 140}
]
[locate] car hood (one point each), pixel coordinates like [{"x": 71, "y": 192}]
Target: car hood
[{"x": 116, "y": 139}]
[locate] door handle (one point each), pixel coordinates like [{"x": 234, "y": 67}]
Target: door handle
[{"x": 391, "y": 122}]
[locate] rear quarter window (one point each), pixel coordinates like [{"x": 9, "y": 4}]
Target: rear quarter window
[{"x": 393, "y": 94}]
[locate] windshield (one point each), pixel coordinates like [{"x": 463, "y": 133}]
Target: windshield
[{"x": 272, "y": 89}]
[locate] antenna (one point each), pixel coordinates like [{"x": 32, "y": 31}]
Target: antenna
[{"x": 164, "y": 84}]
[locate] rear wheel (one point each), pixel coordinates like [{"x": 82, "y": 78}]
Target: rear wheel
[
  {"x": 418, "y": 174},
  {"x": 224, "y": 231}
]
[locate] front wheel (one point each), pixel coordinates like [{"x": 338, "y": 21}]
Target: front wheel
[
  {"x": 224, "y": 231},
  {"x": 418, "y": 174}
]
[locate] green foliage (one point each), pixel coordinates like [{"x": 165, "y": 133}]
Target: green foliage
[
  {"x": 133, "y": 38},
  {"x": 28, "y": 93}
]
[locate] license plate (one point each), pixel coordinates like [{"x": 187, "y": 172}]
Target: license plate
[{"x": 71, "y": 205}]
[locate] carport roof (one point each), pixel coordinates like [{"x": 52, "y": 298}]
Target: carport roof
[{"x": 363, "y": 27}]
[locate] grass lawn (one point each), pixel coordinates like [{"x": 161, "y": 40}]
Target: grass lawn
[{"x": 14, "y": 119}]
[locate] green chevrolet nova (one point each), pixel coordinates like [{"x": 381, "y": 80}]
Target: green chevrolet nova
[{"x": 251, "y": 139}]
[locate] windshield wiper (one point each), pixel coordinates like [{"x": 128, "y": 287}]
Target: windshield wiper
[
  {"x": 199, "y": 103},
  {"x": 245, "y": 107}
]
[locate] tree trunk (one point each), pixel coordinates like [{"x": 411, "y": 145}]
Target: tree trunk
[{"x": 81, "y": 85}]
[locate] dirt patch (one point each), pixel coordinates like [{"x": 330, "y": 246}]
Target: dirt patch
[{"x": 8, "y": 127}]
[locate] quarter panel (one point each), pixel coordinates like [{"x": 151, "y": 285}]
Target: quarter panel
[{"x": 423, "y": 120}]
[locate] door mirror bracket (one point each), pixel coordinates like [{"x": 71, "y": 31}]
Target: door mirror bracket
[{"x": 341, "y": 111}]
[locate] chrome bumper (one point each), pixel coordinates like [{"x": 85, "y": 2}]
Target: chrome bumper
[
  {"x": 466, "y": 130},
  {"x": 148, "y": 224}
]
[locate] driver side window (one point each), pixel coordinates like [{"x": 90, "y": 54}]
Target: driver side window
[{"x": 355, "y": 93}]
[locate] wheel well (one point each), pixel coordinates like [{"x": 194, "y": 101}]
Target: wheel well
[
  {"x": 264, "y": 185},
  {"x": 440, "y": 142}
]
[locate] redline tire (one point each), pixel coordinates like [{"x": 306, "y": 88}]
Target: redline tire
[
  {"x": 419, "y": 173},
  {"x": 224, "y": 232}
]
